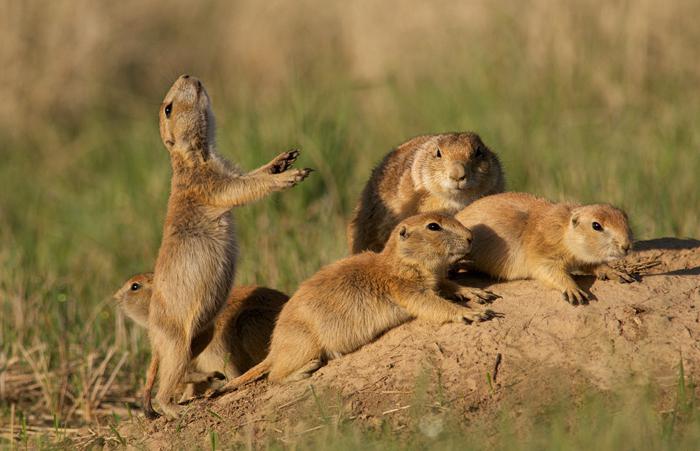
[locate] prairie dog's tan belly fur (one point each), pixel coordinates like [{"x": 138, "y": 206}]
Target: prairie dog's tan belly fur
[{"x": 196, "y": 262}]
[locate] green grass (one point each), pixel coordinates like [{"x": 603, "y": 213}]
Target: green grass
[{"x": 83, "y": 194}]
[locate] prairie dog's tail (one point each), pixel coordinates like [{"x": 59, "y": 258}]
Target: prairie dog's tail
[{"x": 253, "y": 374}]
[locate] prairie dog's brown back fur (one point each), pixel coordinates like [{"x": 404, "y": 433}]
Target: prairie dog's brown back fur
[
  {"x": 441, "y": 173},
  {"x": 242, "y": 330},
  {"x": 518, "y": 235},
  {"x": 196, "y": 261},
  {"x": 347, "y": 304}
]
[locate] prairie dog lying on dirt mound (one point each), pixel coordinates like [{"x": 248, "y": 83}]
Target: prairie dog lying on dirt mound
[
  {"x": 433, "y": 173},
  {"x": 520, "y": 236},
  {"x": 347, "y": 304},
  {"x": 196, "y": 262},
  {"x": 242, "y": 330}
]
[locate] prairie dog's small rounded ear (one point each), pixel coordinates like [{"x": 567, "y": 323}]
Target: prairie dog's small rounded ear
[
  {"x": 574, "y": 219},
  {"x": 403, "y": 232}
]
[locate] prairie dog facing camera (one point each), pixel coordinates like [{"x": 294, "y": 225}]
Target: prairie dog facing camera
[
  {"x": 349, "y": 303},
  {"x": 432, "y": 173},
  {"x": 520, "y": 236}
]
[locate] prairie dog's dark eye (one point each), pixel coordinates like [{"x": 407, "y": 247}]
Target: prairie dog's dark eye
[
  {"x": 438, "y": 154},
  {"x": 434, "y": 226},
  {"x": 479, "y": 152},
  {"x": 597, "y": 227},
  {"x": 135, "y": 286},
  {"x": 168, "y": 109}
]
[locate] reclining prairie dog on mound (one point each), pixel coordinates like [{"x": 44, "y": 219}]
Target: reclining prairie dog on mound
[
  {"x": 520, "y": 236},
  {"x": 433, "y": 173},
  {"x": 196, "y": 262},
  {"x": 347, "y": 304},
  {"x": 242, "y": 330}
]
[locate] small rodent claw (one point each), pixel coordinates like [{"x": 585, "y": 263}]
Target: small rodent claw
[
  {"x": 490, "y": 314},
  {"x": 575, "y": 296},
  {"x": 292, "y": 178},
  {"x": 624, "y": 277},
  {"x": 470, "y": 317},
  {"x": 619, "y": 275},
  {"x": 485, "y": 296},
  {"x": 284, "y": 161}
]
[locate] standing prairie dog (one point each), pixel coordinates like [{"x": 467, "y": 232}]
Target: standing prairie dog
[
  {"x": 196, "y": 262},
  {"x": 242, "y": 330},
  {"x": 440, "y": 173},
  {"x": 347, "y": 304},
  {"x": 520, "y": 236}
]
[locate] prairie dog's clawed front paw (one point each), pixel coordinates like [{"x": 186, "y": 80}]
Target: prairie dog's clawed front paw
[
  {"x": 292, "y": 177},
  {"x": 607, "y": 273},
  {"x": 575, "y": 296},
  {"x": 282, "y": 162},
  {"x": 477, "y": 295},
  {"x": 469, "y": 316}
]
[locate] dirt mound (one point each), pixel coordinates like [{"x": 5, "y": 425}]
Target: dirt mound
[{"x": 631, "y": 332}]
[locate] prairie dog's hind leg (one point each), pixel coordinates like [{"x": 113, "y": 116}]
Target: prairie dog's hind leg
[
  {"x": 148, "y": 409},
  {"x": 305, "y": 371},
  {"x": 174, "y": 355},
  {"x": 297, "y": 357}
]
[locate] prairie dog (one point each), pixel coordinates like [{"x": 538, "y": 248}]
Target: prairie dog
[
  {"x": 347, "y": 304},
  {"x": 196, "y": 262},
  {"x": 242, "y": 330},
  {"x": 520, "y": 236},
  {"x": 440, "y": 173}
]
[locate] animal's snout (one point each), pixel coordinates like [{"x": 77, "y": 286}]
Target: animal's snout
[
  {"x": 458, "y": 172},
  {"x": 626, "y": 247}
]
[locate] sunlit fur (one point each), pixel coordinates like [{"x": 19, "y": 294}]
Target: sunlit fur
[
  {"x": 413, "y": 179},
  {"x": 519, "y": 236},
  {"x": 196, "y": 262},
  {"x": 242, "y": 330},
  {"x": 347, "y": 304}
]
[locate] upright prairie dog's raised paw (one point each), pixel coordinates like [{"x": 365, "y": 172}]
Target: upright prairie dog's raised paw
[
  {"x": 347, "y": 304},
  {"x": 431, "y": 173},
  {"x": 520, "y": 236},
  {"x": 196, "y": 261}
]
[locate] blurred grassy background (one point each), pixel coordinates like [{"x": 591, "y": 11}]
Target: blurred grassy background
[{"x": 583, "y": 100}]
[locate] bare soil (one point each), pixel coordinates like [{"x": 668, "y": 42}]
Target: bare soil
[{"x": 636, "y": 332}]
